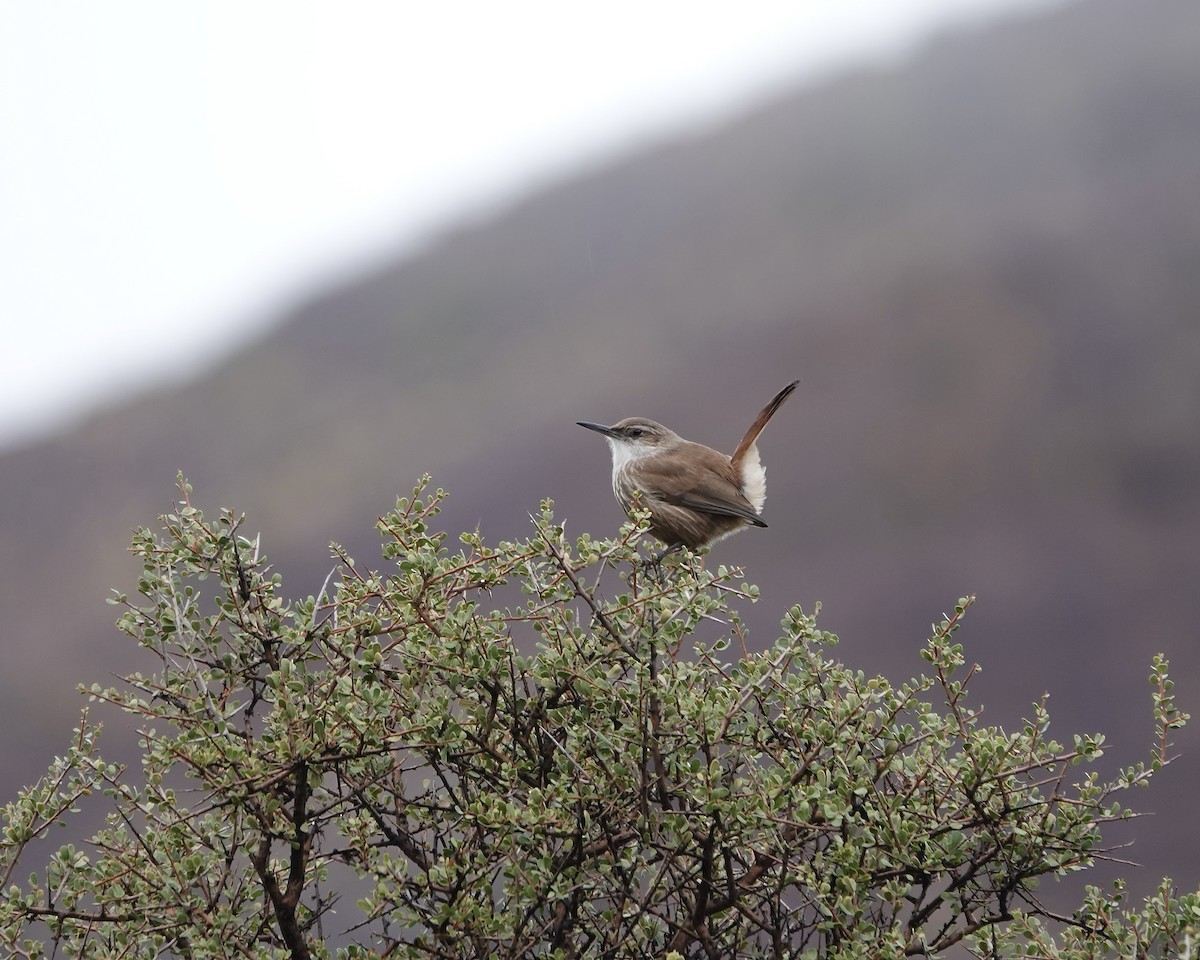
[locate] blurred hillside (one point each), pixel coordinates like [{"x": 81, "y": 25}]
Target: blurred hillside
[{"x": 985, "y": 266}]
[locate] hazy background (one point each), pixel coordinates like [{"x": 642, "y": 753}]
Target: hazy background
[
  {"x": 174, "y": 176},
  {"x": 306, "y": 257}
]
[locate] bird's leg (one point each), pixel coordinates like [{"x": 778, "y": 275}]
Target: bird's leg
[
  {"x": 652, "y": 568},
  {"x": 673, "y": 548},
  {"x": 653, "y": 564}
]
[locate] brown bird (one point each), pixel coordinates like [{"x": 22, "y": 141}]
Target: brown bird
[{"x": 695, "y": 495}]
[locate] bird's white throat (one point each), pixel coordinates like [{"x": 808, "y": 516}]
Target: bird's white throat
[{"x": 623, "y": 454}]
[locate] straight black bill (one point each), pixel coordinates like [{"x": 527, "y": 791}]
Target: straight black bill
[{"x": 598, "y": 427}]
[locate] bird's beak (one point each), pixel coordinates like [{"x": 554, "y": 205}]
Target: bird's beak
[{"x": 598, "y": 427}]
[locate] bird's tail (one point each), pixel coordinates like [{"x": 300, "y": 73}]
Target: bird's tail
[{"x": 761, "y": 421}]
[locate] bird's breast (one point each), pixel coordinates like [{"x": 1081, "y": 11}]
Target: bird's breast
[{"x": 625, "y": 484}]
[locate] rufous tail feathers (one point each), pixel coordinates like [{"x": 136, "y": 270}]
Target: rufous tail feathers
[{"x": 761, "y": 421}]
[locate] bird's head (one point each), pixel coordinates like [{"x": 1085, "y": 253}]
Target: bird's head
[{"x": 634, "y": 438}]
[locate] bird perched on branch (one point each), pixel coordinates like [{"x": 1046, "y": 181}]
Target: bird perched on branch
[{"x": 695, "y": 494}]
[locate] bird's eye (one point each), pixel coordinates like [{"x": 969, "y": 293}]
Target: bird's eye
[{"x": 635, "y": 432}]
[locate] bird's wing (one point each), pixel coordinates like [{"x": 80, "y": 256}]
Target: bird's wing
[
  {"x": 713, "y": 489},
  {"x": 709, "y": 502}
]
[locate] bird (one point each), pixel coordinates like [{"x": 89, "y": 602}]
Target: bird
[{"x": 696, "y": 495}]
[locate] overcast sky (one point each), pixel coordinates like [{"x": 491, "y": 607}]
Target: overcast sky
[{"x": 173, "y": 174}]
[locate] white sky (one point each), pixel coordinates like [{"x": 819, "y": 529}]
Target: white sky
[{"x": 171, "y": 174}]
